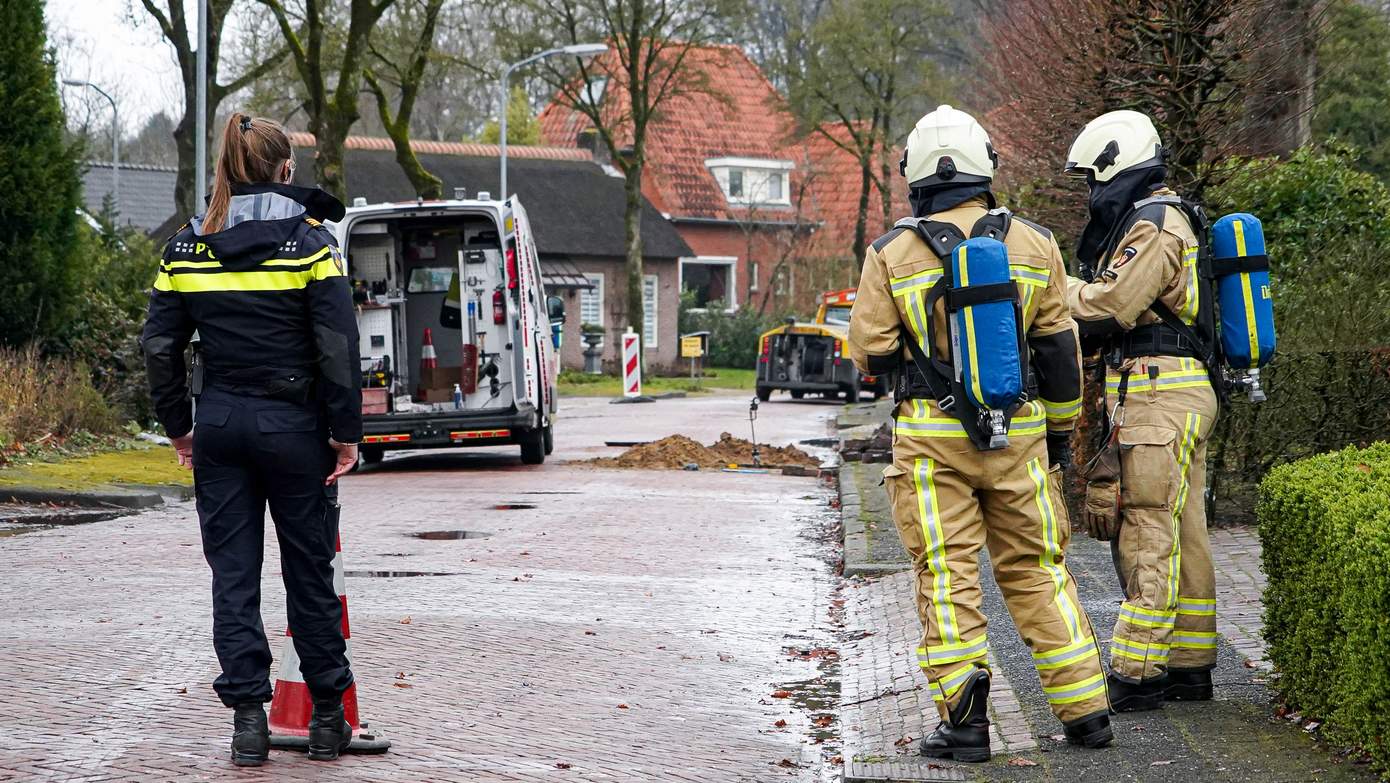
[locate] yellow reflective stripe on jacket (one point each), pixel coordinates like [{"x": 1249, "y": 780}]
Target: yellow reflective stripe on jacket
[
  {"x": 1029, "y": 275},
  {"x": 1029, "y": 420},
  {"x": 1192, "y": 300},
  {"x": 915, "y": 282},
  {"x": 264, "y": 277},
  {"x": 1146, "y": 618},
  {"x": 923, "y": 477},
  {"x": 947, "y": 686},
  {"x": 1065, "y": 656},
  {"x": 1194, "y": 640},
  {"x": 1061, "y": 411},
  {"x": 1139, "y": 651},
  {"x": 1197, "y": 606},
  {"x": 942, "y": 654},
  {"x": 1072, "y": 692},
  {"x": 1050, "y": 558}
]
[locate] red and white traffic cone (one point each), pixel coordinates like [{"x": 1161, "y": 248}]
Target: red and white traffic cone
[
  {"x": 428, "y": 360},
  {"x": 292, "y": 706}
]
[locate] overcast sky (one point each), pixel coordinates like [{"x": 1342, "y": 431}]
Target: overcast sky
[{"x": 96, "y": 42}]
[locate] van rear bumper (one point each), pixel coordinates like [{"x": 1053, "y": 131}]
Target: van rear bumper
[{"x": 447, "y": 429}]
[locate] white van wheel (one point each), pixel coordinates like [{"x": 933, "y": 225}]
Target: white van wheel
[
  {"x": 548, "y": 436},
  {"x": 533, "y": 447}
]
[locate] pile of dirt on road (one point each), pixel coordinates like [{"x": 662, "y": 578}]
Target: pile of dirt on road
[{"x": 677, "y": 451}]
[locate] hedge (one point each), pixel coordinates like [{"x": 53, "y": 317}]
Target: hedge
[{"x": 1325, "y": 531}]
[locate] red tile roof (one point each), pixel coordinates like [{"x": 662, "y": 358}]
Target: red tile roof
[
  {"x": 382, "y": 144},
  {"x": 833, "y": 190},
  {"x": 735, "y": 113}
]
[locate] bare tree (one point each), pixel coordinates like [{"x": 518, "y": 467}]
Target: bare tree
[
  {"x": 331, "y": 111},
  {"x": 651, "y": 44},
  {"x": 173, "y": 25},
  {"x": 408, "y": 78}
]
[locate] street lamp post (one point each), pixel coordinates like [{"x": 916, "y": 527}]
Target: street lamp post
[
  {"x": 576, "y": 50},
  {"x": 115, "y": 136},
  {"x": 200, "y": 144}
]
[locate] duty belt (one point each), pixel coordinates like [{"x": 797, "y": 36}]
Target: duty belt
[
  {"x": 290, "y": 385},
  {"x": 1155, "y": 340}
]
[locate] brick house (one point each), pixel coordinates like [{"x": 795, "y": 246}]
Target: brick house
[{"x": 768, "y": 212}]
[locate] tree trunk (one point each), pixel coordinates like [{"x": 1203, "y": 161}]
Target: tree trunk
[
  {"x": 328, "y": 158},
  {"x": 632, "y": 224},
  {"x": 187, "y": 202},
  {"x": 861, "y": 219},
  {"x": 1281, "y": 111}
]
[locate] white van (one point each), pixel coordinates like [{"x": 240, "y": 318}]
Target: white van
[{"x": 461, "y": 280}]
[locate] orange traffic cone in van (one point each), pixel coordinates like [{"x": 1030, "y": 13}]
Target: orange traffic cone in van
[
  {"x": 428, "y": 361},
  {"x": 292, "y": 706}
]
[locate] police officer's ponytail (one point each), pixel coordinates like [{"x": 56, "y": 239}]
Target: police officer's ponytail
[{"x": 253, "y": 150}]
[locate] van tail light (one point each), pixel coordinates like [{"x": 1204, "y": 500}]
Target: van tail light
[
  {"x": 511, "y": 268},
  {"x": 838, "y": 348},
  {"x": 499, "y": 307},
  {"x": 765, "y": 350}
]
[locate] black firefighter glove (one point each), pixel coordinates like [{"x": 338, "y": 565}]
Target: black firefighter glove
[{"x": 1059, "y": 449}]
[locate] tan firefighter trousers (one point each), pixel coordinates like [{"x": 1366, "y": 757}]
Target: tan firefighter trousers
[
  {"x": 949, "y": 499},
  {"x": 1168, "y": 618}
]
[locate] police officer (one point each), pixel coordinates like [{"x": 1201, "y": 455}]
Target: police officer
[
  {"x": 278, "y": 415},
  {"x": 949, "y": 497},
  {"x": 1145, "y": 305}
]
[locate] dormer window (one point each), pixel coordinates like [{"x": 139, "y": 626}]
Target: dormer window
[{"x": 752, "y": 181}]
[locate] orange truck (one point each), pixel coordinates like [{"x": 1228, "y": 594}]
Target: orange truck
[{"x": 812, "y": 358}]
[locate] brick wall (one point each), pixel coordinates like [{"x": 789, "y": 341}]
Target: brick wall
[{"x": 614, "y": 313}]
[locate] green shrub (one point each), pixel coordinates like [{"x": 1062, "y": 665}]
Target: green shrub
[
  {"x": 733, "y": 340},
  {"x": 47, "y": 397},
  {"x": 1325, "y": 531}
]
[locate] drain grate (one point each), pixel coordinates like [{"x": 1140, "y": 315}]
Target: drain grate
[
  {"x": 451, "y": 535},
  {"x": 513, "y": 506}
]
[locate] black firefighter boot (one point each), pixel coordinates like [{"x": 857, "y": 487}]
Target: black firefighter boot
[
  {"x": 1188, "y": 685},
  {"x": 250, "y": 735},
  {"x": 329, "y": 732},
  {"x": 964, "y": 735},
  {"x": 1092, "y": 731},
  {"x": 1128, "y": 695}
]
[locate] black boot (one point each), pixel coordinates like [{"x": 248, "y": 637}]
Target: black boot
[
  {"x": 329, "y": 733},
  {"x": 250, "y": 735},
  {"x": 1093, "y": 731},
  {"x": 1128, "y": 695},
  {"x": 1188, "y": 685},
  {"x": 964, "y": 735}
]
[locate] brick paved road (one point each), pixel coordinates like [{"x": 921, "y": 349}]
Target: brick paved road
[{"x": 675, "y": 594}]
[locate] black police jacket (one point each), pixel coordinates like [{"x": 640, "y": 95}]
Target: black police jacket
[{"x": 269, "y": 299}]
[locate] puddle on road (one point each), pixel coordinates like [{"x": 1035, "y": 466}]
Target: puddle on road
[
  {"x": 513, "y": 506},
  {"x": 554, "y": 492},
  {"x": 16, "y": 530},
  {"x": 397, "y": 574},
  {"x": 451, "y": 535}
]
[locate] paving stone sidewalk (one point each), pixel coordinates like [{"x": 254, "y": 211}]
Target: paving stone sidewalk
[{"x": 1233, "y": 738}]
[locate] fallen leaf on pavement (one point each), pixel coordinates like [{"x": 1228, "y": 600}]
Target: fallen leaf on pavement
[
  {"x": 1137, "y": 727},
  {"x": 561, "y": 765},
  {"x": 780, "y": 723},
  {"x": 1019, "y": 761},
  {"x": 404, "y": 685},
  {"x": 901, "y": 741},
  {"x": 823, "y": 721},
  {"x": 1160, "y": 763},
  {"x": 622, "y": 706},
  {"x": 590, "y": 633},
  {"x": 787, "y": 763},
  {"x": 1058, "y": 738},
  {"x": 400, "y": 675},
  {"x": 725, "y": 657},
  {"x": 183, "y": 689},
  {"x": 781, "y": 694},
  {"x": 1249, "y": 664},
  {"x": 405, "y": 620},
  {"x": 837, "y": 760}
]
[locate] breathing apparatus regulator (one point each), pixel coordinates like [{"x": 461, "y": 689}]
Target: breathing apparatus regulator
[{"x": 1233, "y": 328}]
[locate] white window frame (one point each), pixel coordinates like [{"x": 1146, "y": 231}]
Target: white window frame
[
  {"x": 755, "y": 173},
  {"x": 651, "y": 311},
  {"x": 730, "y": 261},
  {"x": 596, "y": 279}
]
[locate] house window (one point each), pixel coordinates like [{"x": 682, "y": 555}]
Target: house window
[
  {"x": 591, "y": 302},
  {"x": 752, "y": 181},
  {"x": 711, "y": 279},
  {"x": 650, "y": 290},
  {"x": 782, "y": 283}
]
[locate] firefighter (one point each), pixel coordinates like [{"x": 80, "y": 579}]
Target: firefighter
[
  {"x": 949, "y": 497},
  {"x": 1144, "y": 305},
  {"x": 278, "y": 416}
]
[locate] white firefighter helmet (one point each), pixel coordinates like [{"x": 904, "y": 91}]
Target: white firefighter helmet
[
  {"x": 947, "y": 145},
  {"x": 1114, "y": 142}
]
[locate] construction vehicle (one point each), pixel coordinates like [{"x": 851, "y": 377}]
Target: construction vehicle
[{"x": 811, "y": 358}]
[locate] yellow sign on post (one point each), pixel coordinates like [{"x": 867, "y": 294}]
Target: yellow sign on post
[{"x": 692, "y": 347}]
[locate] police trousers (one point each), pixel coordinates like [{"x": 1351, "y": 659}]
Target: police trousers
[
  {"x": 250, "y": 453},
  {"x": 1168, "y": 618},
  {"x": 950, "y": 499}
]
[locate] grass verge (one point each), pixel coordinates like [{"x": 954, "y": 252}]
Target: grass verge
[
  {"x": 128, "y": 463},
  {"x": 578, "y": 384}
]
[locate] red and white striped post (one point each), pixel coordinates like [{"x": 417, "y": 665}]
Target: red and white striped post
[
  {"x": 632, "y": 364},
  {"x": 292, "y": 706}
]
